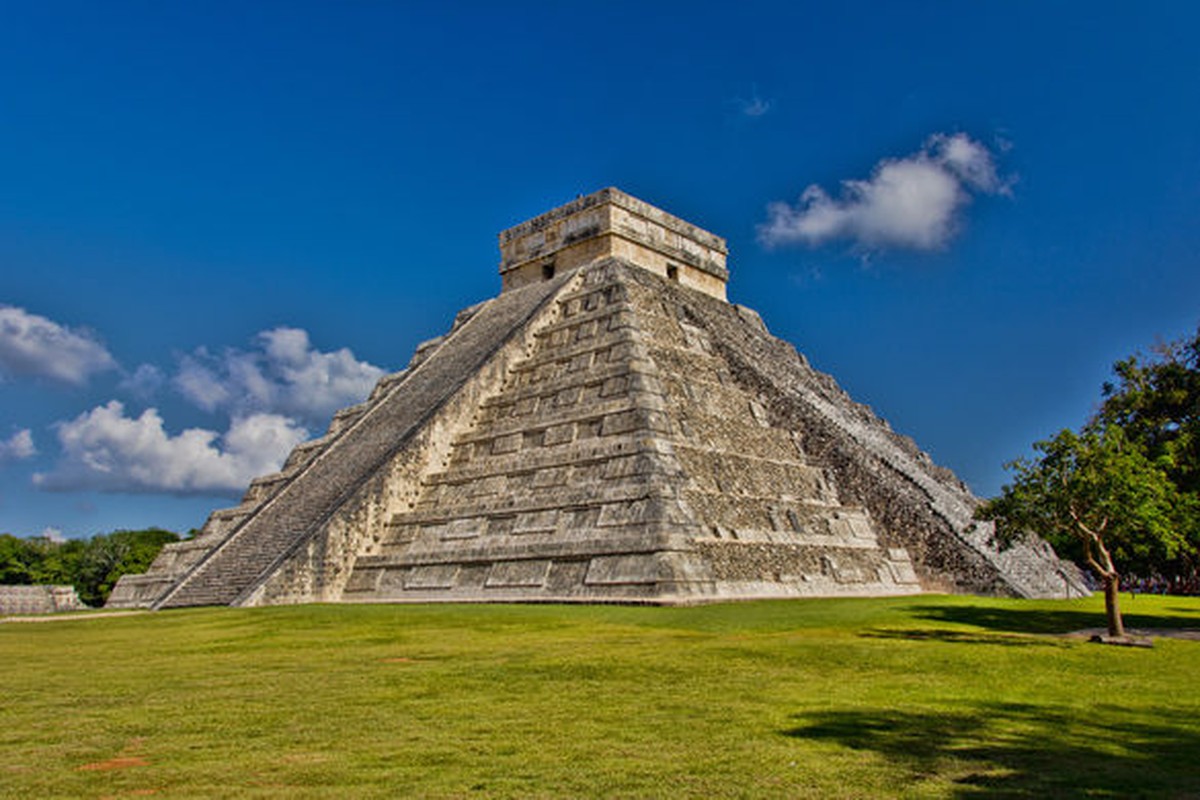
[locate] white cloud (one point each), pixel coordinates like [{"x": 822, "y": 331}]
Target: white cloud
[
  {"x": 267, "y": 390},
  {"x": 31, "y": 345},
  {"x": 284, "y": 374},
  {"x": 144, "y": 383},
  {"x": 755, "y": 107},
  {"x": 105, "y": 450},
  {"x": 17, "y": 446},
  {"x": 913, "y": 202},
  {"x": 200, "y": 384},
  {"x": 969, "y": 160},
  {"x": 53, "y": 534}
]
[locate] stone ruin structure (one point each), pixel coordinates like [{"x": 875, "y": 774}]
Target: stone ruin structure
[
  {"x": 39, "y": 599},
  {"x": 608, "y": 429}
]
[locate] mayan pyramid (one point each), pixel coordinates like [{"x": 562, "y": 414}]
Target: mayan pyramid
[{"x": 608, "y": 429}]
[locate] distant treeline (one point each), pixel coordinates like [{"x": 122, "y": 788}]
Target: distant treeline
[{"x": 92, "y": 565}]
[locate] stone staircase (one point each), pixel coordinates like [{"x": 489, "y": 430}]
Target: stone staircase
[{"x": 307, "y": 499}]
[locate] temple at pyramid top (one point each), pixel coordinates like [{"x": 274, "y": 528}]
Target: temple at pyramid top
[{"x": 612, "y": 223}]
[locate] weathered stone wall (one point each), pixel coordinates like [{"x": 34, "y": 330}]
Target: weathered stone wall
[
  {"x": 611, "y": 224},
  {"x": 39, "y": 599}
]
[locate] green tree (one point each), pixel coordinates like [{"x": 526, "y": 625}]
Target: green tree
[
  {"x": 109, "y": 556},
  {"x": 1123, "y": 495},
  {"x": 1156, "y": 401},
  {"x": 35, "y": 560},
  {"x": 17, "y": 561},
  {"x": 93, "y": 566},
  {"x": 57, "y": 562},
  {"x": 1097, "y": 498}
]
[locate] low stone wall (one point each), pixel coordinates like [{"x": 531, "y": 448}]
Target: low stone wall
[{"x": 39, "y": 599}]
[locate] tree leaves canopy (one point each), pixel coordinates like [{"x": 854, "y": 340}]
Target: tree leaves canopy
[
  {"x": 1096, "y": 484},
  {"x": 1130, "y": 479},
  {"x": 1157, "y": 403},
  {"x": 92, "y": 566}
]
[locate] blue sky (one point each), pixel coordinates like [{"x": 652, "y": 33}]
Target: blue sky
[{"x": 221, "y": 221}]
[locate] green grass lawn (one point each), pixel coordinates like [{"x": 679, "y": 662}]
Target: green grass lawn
[{"x": 911, "y": 697}]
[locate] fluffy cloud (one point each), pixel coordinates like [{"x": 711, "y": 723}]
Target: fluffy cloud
[
  {"x": 105, "y": 450},
  {"x": 31, "y": 345},
  {"x": 284, "y": 374},
  {"x": 17, "y": 446},
  {"x": 145, "y": 381},
  {"x": 267, "y": 391},
  {"x": 912, "y": 202}
]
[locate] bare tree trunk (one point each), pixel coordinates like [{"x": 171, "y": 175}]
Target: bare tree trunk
[
  {"x": 1112, "y": 607},
  {"x": 1108, "y": 573}
]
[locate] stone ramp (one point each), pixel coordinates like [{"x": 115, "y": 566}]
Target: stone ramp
[{"x": 254, "y": 550}]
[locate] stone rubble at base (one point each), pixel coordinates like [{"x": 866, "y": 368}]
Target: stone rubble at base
[{"x": 607, "y": 429}]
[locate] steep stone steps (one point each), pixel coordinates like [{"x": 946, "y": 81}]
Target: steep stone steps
[{"x": 299, "y": 507}]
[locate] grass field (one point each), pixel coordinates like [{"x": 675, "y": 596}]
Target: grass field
[{"x": 911, "y": 697}]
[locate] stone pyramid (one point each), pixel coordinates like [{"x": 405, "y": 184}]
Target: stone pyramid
[{"x": 608, "y": 429}]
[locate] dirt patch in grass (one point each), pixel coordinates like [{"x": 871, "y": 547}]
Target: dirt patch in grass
[
  {"x": 125, "y": 759},
  {"x": 120, "y": 762}
]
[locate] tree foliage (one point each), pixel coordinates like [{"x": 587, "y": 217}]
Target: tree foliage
[
  {"x": 1091, "y": 486},
  {"x": 1122, "y": 495},
  {"x": 92, "y": 566},
  {"x": 1157, "y": 403}
]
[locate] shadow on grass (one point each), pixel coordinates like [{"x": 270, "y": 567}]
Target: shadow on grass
[
  {"x": 1041, "y": 620},
  {"x": 961, "y": 637},
  {"x": 1018, "y": 750}
]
